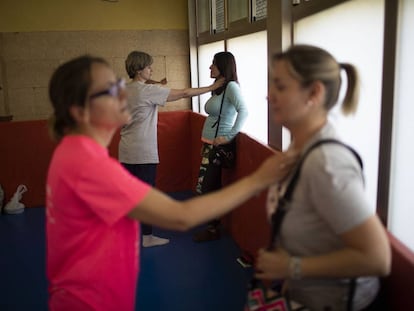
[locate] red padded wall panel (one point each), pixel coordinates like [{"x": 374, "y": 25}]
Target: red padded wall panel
[
  {"x": 25, "y": 152},
  {"x": 174, "y": 146},
  {"x": 248, "y": 224}
]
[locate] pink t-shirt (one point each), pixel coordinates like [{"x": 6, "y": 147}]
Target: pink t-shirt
[{"x": 92, "y": 247}]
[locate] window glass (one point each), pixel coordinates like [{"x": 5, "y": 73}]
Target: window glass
[
  {"x": 259, "y": 9},
  {"x": 218, "y": 16},
  {"x": 250, "y": 52},
  {"x": 238, "y": 9},
  {"x": 205, "y": 59},
  {"x": 353, "y": 32},
  {"x": 203, "y": 14},
  {"x": 401, "y": 212}
]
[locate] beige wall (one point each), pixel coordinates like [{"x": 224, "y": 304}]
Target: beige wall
[
  {"x": 45, "y": 15},
  {"x": 29, "y": 53},
  {"x": 2, "y": 105}
]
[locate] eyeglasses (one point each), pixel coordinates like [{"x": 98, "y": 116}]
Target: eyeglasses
[{"x": 114, "y": 90}]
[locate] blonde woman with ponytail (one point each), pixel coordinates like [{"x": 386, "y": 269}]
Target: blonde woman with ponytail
[{"x": 330, "y": 237}]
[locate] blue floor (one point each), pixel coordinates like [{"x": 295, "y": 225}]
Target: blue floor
[{"x": 179, "y": 276}]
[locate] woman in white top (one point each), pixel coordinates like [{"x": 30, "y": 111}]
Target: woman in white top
[
  {"x": 138, "y": 147},
  {"x": 330, "y": 233}
]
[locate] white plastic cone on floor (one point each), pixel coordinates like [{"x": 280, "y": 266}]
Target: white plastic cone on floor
[{"x": 14, "y": 206}]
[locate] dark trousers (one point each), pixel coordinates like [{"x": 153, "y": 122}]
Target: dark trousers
[
  {"x": 209, "y": 178},
  {"x": 146, "y": 173}
]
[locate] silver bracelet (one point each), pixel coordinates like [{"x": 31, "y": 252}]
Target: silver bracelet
[{"x": 295, "y": 268}]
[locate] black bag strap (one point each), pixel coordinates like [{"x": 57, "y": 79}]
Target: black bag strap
[
  {"x": 351, "y": 293},
  {"x": 219, "y": 117},
  {"x": 280, "y": 212},
  {"x": 292, "y": 184}
]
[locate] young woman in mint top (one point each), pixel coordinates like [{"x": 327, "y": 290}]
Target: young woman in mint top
[
  {"x": 94, "y": 205},
  {"x": 232, "y": 117}
]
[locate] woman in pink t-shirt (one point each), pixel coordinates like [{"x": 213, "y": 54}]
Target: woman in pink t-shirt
[{"x": 94, "y": 204}]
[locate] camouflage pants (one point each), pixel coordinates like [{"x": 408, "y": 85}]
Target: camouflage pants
[{"x": 209, "y": 178}]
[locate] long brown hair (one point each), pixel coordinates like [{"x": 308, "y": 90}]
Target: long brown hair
[{"x": 226, "y": 64}]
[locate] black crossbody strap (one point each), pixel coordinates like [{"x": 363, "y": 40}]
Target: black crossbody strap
[
  {"x": 351, "y": 293},
  {"x": 219, "y": 117},
  {"x": 280, "y": 212},
  {"x": 293, "y": 181}
]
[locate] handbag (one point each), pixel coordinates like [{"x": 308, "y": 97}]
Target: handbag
[
  {"x": 258, "y": 297},
  {"x": 223, "y": 155}
]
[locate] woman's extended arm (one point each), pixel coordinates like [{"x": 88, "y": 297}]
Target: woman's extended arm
[
  {"x": 162, "y": 81},
  {"x": 160, "y": 210},
  {"x": 176, "y": 94}
]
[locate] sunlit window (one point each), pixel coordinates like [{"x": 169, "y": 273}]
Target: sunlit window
[
  {"x": 205, "y": 59},
  {"x": 401, "y": 212},
  {"x": 250, "y": 52},
  {"x": 353, "y": 32}
]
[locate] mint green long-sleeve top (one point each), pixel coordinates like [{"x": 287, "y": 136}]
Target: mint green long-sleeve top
[{"x": 233, "y": 114}]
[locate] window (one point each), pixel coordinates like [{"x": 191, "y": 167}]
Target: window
[
  {"x": 223, "y": 19},
  {"x": 238, "y": 10},
  {"x": 203, "y": 13},
  {"x": 218, "y": 14},
  {"x": 401, "y": 212},
  {"x": 247, "y": 40},
  {"x": 259, "y": 9},
  {"x": 205, "y": 59},
  {"x": 250, "y": 52},
  {"x": 353, "y": 32}
]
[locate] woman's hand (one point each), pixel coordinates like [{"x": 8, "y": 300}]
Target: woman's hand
[
  {"x": 275, "y": 168},
  {"x": 271, "y": 265},
  {"x": 219, "y": 82},
  {"x": 220, "y": 140}
]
